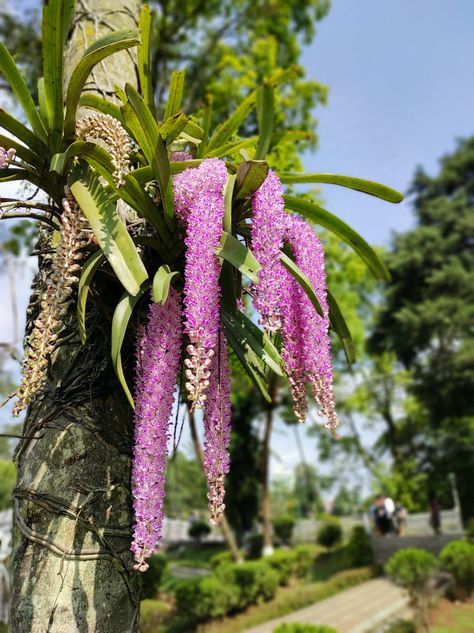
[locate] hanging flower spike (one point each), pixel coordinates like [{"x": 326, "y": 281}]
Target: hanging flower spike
[
  {"x": 217, "y": 425},
  {"x": 158, "y": 359},
  {"x": 268, "y": 226},
  {"x": 6, "y": 156},
  {"x": 199, "y": 203},
  {"x": 306, "y": 341},
  {"x": 60, "y": 285}
]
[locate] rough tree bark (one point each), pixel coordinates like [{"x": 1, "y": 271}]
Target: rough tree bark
[{"x": 71, "y": 564}]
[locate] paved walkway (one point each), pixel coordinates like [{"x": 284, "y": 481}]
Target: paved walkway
[{"x": 357, "y": 610}]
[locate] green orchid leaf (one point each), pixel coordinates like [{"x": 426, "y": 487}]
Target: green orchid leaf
[
  {"x": 145, "y": 26},
  {"x": 19, "y": 88},
  {"x": 89, "y": 268},
  {"x": 21, "y": 151},
  {"x": 265, "y": 112},
  {"x": 250, "y": 176},
  {"x": 111, "y": 233},
  {"x": 57, "y": 16},
  {"x": 21, "y": 132},
  {"x": 101, "y": 105},
  {"x": 303, "y": 281},
  {"x": 358, "y": 184},
  {"x": 339, "y": 325},
  {"x": 239, "y": 256},
  {"x": 228, "y": 195},
  {"x": 43, "y": 106},
  {"x": 172, "y": 127},
  {"x": 233, "y": 147},
  {"x": 251, "y": 336},
  {"x": 320, "y": 216},
  {"x": 193, "y": 130},
  {"x": 175, "y": 96},
  {"x": 154, "y": 148},
  {"x": 161, "y": 283},
  {"x": 102, "y": 48},
  {"x": 120, "y": 321}
]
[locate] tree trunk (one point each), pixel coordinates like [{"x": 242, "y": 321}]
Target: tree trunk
[
  {"x": 266, "y": 514},
  {"x": 224, "y": 526},
  {"x": 71, "y": 563}
]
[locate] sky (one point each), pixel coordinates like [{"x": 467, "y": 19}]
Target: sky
[{"x": 400, "y": 94}]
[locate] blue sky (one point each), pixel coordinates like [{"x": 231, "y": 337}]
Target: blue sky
[{"x": 400, "y": 94}]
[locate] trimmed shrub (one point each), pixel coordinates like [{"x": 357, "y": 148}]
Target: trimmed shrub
[
  {"x": 401, "y": 626},
  {"x": 306, "y": 555},
  {"x": 199, "y": 529},
  {"x": 284, "y": 562},
  {"x": 201, "y": 599},
  {"x": 283, "y": 527},
  {"x": 255, "y": 580},
  {"x": 153, "y": 615},
  {"x": 295, "y": 627},
  {"x": 221, "y": 558},
  {"x": 330, "y": 533},
  {"x": 412, "y": 568},
  {"x": 359, "y": 549},
  {"x": 457, "y": 557},
  {"x": 151, "y": 579}
]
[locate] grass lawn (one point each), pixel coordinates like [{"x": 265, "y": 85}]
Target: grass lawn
[{"x": 452, "y": 617}]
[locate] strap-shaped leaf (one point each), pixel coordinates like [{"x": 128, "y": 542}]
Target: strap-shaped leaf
[
  {"x": 232, "y": 148},
  {"x": 12, "y": 174},
  {"x": 239, "y": 256},
  {"x": 89, "y": 100},
  {"x": 102, "y": 48},
  {"x": 91, "y": 265},
  {"x": 145, "y": 25},
  {"x": 18, "y": 85},
  {"x": 154, "y": 148},
  {"x": 358, "y": 184},
  {"x": 228, "y": 195},
  {"x": 265, "y": 112},
  {"x": 226, "y": 130},
  {"x": 57, "y": 15},
  {"x": 161, "y": 283},
  {"x": 250, "y": 335},
  {"x": 172, "y": 127},
  {"x": 120, "y": 321},
  {"x": 175, "y": 96},
  {"x": 329, "y": 221},
  {"x": 339, "y": 325},
  {"x": 303, "y": 281},
  {"x": 21, "y": 151},
  {"x": 194, "y": 130},
  {"x": 26, "y": 136},
  {"x": 109, "y": 230},
  {"x": 250, "y": 176},
  {"x": 251, "y": 363},
  {"x": 43, "y": 107}
]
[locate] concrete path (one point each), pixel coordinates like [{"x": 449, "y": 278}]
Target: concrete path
[{"x": 358, "y": 610}]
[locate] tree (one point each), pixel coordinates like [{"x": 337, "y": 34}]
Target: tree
[
  {"x": 307, "y": 490},
  {"x": 72, "y": 500},
  {"x": 426, "y": 321},
  {"x": 185, "y": 487}
]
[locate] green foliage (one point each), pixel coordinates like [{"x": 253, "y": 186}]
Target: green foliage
[
  {"x": 283, "y": 527},
  {"x": 401, "y": 626},
  {"x": 254, "y": 545},
  {"x": 256, "y": 581},
  {"x": 153, "y": 615},
  {"x": 199, "y": 529},
  {"x": 306, "y": 555},
  {"x": 7, "y": 483},
  {"x": 426, "y": 322},
  {"x": 457, "y": 557},
  {"x": 295, "y": 627},
  {"x": 284, "y": 562},
  {"x": 330, "y": 533},
  {"x": 359, "y": 548},
  {"x": 412, "y": 568},
  {"x": 152, "y": 578},
  {"x": 202, "y": 599},
  {"x": 221, "y": 558},
  {"x": 185, "y": 487}
]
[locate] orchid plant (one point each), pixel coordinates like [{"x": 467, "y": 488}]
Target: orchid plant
[{"x": 200, "y": 234}]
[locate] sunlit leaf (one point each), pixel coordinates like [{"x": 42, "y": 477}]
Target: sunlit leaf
[
  {"x": 175, "y": 95},
  {"x": 303, "y": 281},
  {"x": 320, "y": 216},
  {"x": 250, "y": 176},
  {"x": 265, "y": 112},
  {"x": 339, "y": 325},
  {"x": 239, "y": 256},
  {"x": 21, "y": 132},
  {"x": 161, "y": 283},
  {"x": 145, "y": 25},
  {"x": 89, "y": 268}
]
